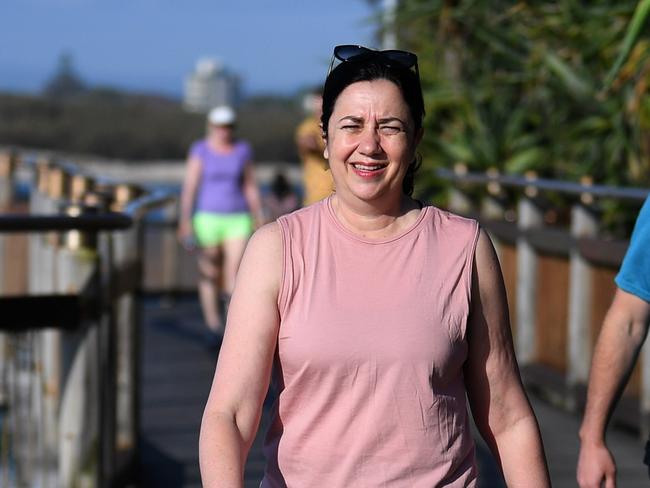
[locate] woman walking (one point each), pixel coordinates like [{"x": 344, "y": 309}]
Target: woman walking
[
  {"x": 378, "y": 316},
  {"x": 220, "y": 207}
]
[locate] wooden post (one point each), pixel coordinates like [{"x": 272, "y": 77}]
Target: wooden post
[
  {"x": 459, "y": 202},
  {"x": 80, "y": 185},
  {"x": 583, "y": 224},
  {"x": 529, "y": 217},
  {"x": 47, "y": 344},
  {"x": 170, "y": 250},
  {"x": 7, "y": 169},
  {"x": 107, "y": 363},
  {"x": 492, "y": 205},
  {"x": 79, "y": 413},
  {"x": 127, "y": 263}
]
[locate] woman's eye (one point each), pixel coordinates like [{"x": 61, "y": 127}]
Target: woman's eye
[{"x": 390, "y": 129}]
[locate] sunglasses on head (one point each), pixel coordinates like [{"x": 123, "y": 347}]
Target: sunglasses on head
[{"x": 391, "y": 57}]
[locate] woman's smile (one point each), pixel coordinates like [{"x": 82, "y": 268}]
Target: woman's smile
[{"x": 368, "y": 170}]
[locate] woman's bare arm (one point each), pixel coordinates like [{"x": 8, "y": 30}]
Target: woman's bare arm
[
  {"x": 499, "y": 404},
  {"x": 252, "y": 194},
  {"x": 242, "y": 376},
  {"x": 191, "y": 182}
]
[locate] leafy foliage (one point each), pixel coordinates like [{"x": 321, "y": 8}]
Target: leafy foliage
[{"x": 519, "y": 86}]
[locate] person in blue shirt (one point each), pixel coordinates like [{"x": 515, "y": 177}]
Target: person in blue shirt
[{"x": 623, "y": 332}]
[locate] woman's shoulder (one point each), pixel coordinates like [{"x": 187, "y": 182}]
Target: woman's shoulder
[
  {"x": 197, "y": 148},
  {"x": 305, "y": 214},
  {"x": 456, "y": 231},
  {"x": 244, "y": 147},
  {"x": 268, "y": 234},
  {"x": 450, "y": 220},
  {"x": 266, "y": 243},
  {"x": 302, "y": 222}
]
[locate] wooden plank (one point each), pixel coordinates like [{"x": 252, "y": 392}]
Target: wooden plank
[
  {"x": 603, "y": 252},
  {"x": 552, "y": 311},
  {"x": 14, "y": 260}
]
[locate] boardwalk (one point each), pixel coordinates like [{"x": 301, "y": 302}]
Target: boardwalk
[{"x": 177, "y": 370}]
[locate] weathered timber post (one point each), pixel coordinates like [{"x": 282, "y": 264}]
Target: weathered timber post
[
  {"x": 530, "y": 216},
  {"x": 170, "y": 250},
  {"x": 7, "y": 169},
  {"x": 459, "y": 202},
  {"x": 80, "y": 186},
  {"x": 492, "y": 203},
  {"x": 106, "y": 353},
  {"x": 127, "y": 261},
  {"x": 584, "y": 223},
  {"x": 492, "y": 207},
  {"x": 52, "y": 182},
  {"x": 79, "y": 413}
]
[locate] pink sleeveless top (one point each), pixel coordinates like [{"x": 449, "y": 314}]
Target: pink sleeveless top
[{"x": 370, "y": 355}]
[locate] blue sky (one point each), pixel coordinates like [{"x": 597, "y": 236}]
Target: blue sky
[{"x": 150, "y": 45}]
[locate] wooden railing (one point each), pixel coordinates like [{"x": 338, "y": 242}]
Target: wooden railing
[
  {"x": 559, "y": 278},
  {"x": 69, "y": 347}
]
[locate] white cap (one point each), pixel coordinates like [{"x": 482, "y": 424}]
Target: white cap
[{"x": 223, "y": 115}]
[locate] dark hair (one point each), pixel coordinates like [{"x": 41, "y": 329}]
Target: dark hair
[{"x": 370, "y": 69}]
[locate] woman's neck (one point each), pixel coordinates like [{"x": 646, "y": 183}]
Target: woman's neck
[
  {"x": 220, "y": 145},
  {"x": 368, "y": 219}
]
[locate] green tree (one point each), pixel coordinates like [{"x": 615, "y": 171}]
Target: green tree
[{"x": 556, "y": 87}]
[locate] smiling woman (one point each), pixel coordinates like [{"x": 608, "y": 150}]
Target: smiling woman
[
  {"x": 371, "y": 142},
  {"x": 377, "y": 315}
]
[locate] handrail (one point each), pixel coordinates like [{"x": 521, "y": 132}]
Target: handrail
[
  {"x": 603, "y": 191},
  {"x": 104, "y": 221},
  {"x": 48, "y": 223},
  {"x": 141, "y": 205}
]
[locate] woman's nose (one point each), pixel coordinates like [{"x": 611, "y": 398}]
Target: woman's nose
[{"x": 370, "y": 142}]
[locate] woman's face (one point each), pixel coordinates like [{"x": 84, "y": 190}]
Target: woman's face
[
  {"x": 371, "y": 140},
  {"x": 220, "y": 133}
]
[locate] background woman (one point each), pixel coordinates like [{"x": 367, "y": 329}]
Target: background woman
[
  {"x": 380, "y": 316},
  {"x": 219, "y": 194}
]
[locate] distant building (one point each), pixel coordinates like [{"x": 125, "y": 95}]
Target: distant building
[{"x": 210, "y": 85}]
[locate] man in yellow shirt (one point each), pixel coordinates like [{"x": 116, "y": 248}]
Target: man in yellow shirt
[{"x": 317, "y": 179}]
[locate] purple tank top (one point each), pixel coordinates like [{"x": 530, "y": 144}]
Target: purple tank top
[{"x": 222, "y": 176}]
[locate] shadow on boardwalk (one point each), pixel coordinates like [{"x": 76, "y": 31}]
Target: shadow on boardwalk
[{"x": 177, "y": 369}]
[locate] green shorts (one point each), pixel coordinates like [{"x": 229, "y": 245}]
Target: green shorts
[{"x": 211, "y": 229}]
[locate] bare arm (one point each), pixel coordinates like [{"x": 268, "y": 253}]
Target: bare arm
[
  {"x": 621, "y": 337},
  {"x": 252, "y": 194},
  {"x": 188, "y": 196},
  {"x": 499, "y": 404},
  {"x": 232, "y": 413}
]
